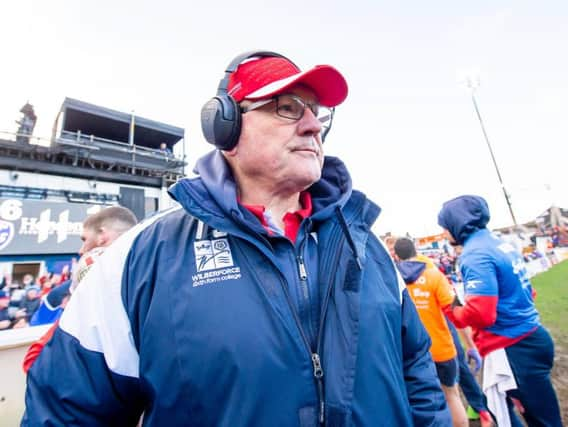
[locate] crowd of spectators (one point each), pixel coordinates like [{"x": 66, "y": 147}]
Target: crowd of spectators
[
  {"x": 446, "y": 257},
  {"x": 20, "y": 299}
]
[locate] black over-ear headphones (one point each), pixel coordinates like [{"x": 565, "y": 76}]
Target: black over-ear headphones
[{"x": 221, "y": 115}]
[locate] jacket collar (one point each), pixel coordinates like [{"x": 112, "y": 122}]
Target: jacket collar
[{"x": 212, "y": 196}]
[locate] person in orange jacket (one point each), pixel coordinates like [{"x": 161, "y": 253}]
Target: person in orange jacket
[{"x": 432, "y": 294}]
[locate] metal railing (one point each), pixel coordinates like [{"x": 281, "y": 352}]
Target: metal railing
[
  {"x": 13, "y": 137},
  {"x": 93, "y": 152},
  {"x": 89, "y": 141}
]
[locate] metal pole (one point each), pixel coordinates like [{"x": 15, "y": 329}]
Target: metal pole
[
  {"x": 131, "y": 129},
  {"x": 131, "y": 141},
  {"x": 183, "y": 147},
  {"x": 493, "y": 157}
]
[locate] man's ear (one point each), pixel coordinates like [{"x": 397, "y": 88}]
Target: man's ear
[{"x": 102, "y": 237}]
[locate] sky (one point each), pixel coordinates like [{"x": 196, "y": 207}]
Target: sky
[{"x": 408, "y": 131}]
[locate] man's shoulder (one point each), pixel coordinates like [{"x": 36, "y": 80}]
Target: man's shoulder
[
  {"x": 160, "y": 222},
  {"x": 363, "y": 208},
  {"x": 478, "y": 247},
  {"x": 432, "y": 273}
]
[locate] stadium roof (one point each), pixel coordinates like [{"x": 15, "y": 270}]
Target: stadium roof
[{"x": 114, "y": 125}]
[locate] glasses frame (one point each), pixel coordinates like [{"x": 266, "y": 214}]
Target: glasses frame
[{"x": 259, "y": 104}]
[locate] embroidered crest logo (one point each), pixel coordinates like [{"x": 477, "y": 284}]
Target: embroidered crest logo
[{"x": 212, "y": 254}]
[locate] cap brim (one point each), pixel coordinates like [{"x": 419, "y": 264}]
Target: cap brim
[{"x": 327, "y": 83}]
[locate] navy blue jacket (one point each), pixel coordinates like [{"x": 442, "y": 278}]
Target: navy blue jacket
[{"x": 197, "y": 317}]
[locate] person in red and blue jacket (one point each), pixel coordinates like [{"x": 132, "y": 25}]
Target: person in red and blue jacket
[
  {"x": 263, "y": 299},
  {"x": 499, "y": 307}
]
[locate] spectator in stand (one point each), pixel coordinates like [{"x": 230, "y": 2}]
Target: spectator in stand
[
  {"x": 50, "y": 282},
  {"x": 65, "y": 274},
  {"x": 5, "y": 318},
  {"x": 42, "y": 282},
  {"x": 165, "y": 149},
  {"x": 431, "y": 293},
  {"x": 28, "y": 306},
  {"x": 445, "y": 266},
  {"x": 17, "y": 292},
  {"x": 99, "y": 231},
  {"x": 389, "y": 242},
  {"x": 500, "y": 309},
  {"x": 28, "y": 280},
  {"x": 4, "y": 282}
]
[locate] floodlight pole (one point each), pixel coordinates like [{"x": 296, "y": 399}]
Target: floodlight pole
[{"x": 470, "y": 85}]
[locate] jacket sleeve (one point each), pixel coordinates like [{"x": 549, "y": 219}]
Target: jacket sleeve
[
  {"x": 481, "y": 293},
  {"x": 87, "y": 374},
  {"x": 425, "y": 395},
  {"x": 36, "y": 348}
]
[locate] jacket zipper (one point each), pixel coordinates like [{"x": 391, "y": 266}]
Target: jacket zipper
[
  {"x": 319, "y": 339},
  {"x": 314, "y": 356},
  {"x": 304, "y": 287},
  {"x": 318, "y": 372}
]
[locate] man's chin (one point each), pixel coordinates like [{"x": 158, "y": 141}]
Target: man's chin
[{"x": 303, "y": 182}]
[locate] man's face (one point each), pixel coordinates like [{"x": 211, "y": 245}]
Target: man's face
[
  {"x": 279, "y": 152},
  {"x": 90, "y": 238},
  {"x": 389, "y": 242}
]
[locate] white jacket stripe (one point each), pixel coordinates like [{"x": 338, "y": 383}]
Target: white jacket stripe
[{"x": 96, "y": 315}]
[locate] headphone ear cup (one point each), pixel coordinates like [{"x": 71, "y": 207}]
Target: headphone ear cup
[{"x": 221, "y": 122}]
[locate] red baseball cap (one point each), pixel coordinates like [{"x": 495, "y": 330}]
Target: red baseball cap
[{"x": 268, "y": 76}]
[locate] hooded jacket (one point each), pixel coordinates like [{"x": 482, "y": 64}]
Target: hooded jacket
[
  {"x": 499, "y": 302},
  {"x": 197, "y": 317},
  {"x": 433, "y": 296}
]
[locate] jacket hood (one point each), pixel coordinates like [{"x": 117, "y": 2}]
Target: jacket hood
[
  {"x": 214, "y": 193},
  {"x": 463, "y": 216},
  {"x": 411, "y": 270},
  {"x": 426, "y": 260}
]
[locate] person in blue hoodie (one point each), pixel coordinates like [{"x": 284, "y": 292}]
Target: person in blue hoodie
[
  {"x": 264, "y": 299},
  {"x": 499, "y": 307}
]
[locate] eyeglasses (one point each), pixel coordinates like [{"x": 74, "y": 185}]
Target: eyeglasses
[{"x": 293, "y": 107}]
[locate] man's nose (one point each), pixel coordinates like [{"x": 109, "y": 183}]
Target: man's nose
[{"x": 309, "y": 123}]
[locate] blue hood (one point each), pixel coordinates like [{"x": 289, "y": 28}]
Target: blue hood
[
  {"x": 411, "y": 270},
  {"x": 212, "y": 196},
  {"x": 463, "y": 216}
]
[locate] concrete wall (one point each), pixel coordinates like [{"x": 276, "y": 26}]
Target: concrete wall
[{"x": 13, "y": 347}]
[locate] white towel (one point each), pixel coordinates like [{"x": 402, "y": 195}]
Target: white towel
[{"x": 497, "y": 379}]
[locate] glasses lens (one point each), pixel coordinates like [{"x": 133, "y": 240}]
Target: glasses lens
[
  {"x": 323, "y": 114},
  {"x": 290, "y": 107},
  {"x": 293, "y": 107}
]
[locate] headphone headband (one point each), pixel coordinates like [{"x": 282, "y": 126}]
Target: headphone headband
[{"x": 238, "y": 60}]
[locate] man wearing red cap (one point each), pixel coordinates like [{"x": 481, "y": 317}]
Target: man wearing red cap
[{"x": 264, "y": 299}]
